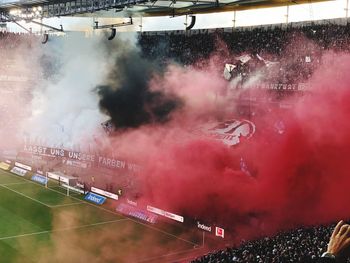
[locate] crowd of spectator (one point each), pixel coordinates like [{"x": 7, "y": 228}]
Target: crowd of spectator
[
  {"x": 188, "y": 48},
  {"x": 16, "y": 52},
  {"x": 296, "y": 52},
  {"x": 302, "y": 245},
  {"x": 9, "y": 40},
  {"x": 296, "y": 62},
  {"x": 17, "y": 75}
]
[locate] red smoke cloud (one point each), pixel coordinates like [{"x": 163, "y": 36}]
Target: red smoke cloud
[{"x": 299, "y": 177}]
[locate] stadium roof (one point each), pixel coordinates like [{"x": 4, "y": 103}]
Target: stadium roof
[
  {"x": 184, "y": 7},
  {"x": 29, "y": 9}
]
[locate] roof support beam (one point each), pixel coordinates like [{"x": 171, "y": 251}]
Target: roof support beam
[{"x": 47, "y": 26}]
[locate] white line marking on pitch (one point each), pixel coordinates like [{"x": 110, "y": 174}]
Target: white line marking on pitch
[
  {"x": 63, "y": 229},
  {"x": 151, "y": 227},
  {"x": 51, "y": 206},
  {"x": 62, "y": 205},
  {"x": 25, "y": 196},
  {"x": 15, "y": 183},
  {"x": 112, "y": 212}
]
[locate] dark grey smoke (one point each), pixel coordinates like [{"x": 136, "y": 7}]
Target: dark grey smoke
[{"x": 128, "y": 100}]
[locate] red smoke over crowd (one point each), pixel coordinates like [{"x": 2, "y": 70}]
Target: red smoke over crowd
[
  {"x": 299, "y": 177},
  {"x": 296, "y": 177}
]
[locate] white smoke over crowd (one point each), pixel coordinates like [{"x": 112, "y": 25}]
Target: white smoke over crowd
[{"x": 64, "y": 108}]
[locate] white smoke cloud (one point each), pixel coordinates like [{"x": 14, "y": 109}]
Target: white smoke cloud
[{"x": 65, "y": 109}]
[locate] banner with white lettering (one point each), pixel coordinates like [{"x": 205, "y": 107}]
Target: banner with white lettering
[
  {"x": 165, "y": 213},
  {"x": 23, "y": 166},
  {"x": 18, "y": 171},
  {"x": 105, "y": 193},
  {"x": 79, "y": 159},
  {"x": 203, "y": 226},
  {"x": 95, "y": 198}
]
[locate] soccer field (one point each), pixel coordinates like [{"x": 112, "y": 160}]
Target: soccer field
[{"x": 39, "y": 224}]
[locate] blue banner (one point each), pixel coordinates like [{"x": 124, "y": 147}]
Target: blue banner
[
  {"x": 95, "y": 198},
  {"x": 39, "y": 179}
]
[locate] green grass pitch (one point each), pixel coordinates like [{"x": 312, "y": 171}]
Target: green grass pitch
[{"x": 39, "y": 224}]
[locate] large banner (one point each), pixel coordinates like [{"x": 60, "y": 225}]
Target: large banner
[
  {"x": 80, "y": 159},
  {"x": 56, "y": 152},
  {"x": 283, "y": 86},
  {"x": 230, "y": 132}
]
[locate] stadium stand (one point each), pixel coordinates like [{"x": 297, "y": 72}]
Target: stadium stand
[
  {"x": 16, "y": 75},
  {"x": 9, "y": 40},
  {"x": 296, "y": 64}
]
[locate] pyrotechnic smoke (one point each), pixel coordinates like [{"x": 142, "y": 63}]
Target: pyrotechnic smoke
[
  {"x": 128, "y": 98},
  {"x": 64, "y": 106},
  {"x": 15, "y": 88},
  {"x": 296, "y": 175}
]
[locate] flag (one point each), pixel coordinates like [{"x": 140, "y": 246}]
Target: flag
[
  {"x": 219, "y": 232},
  {"x": 267, "y": 62},
  {"x": 244, "y": 167},
  {"x": 260, "y": 58},
  {"x": 244, "y": 58},
  {"x": 228, "y": 70}
]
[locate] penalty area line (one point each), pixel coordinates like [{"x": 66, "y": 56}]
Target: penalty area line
[
  {"x": 8, "y": 188},
  {"x": 63, "y": 229},
  {"x": 69, "y": 204},
  {"x": 35, "y": 200}
]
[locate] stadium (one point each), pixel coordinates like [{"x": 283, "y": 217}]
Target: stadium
[{"x": 174, "y": 131}]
